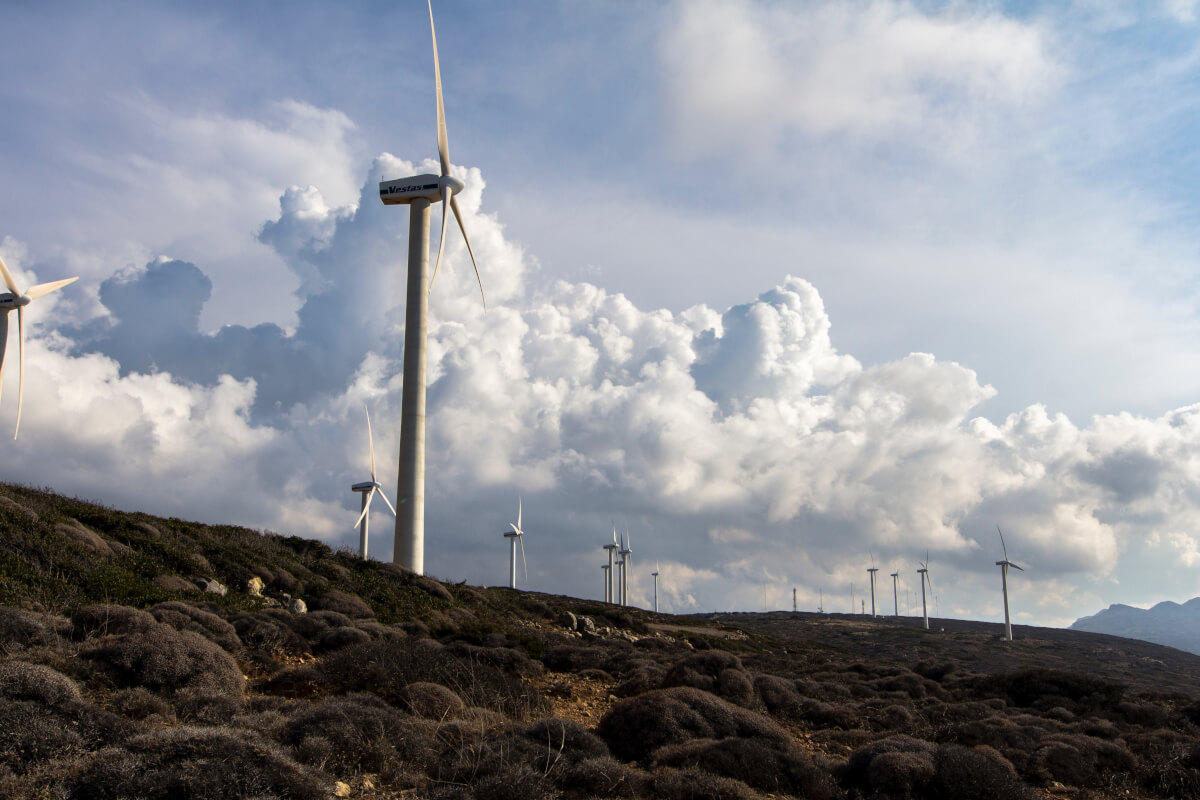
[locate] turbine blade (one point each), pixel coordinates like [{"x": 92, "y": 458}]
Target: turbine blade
[
  {"x": 8, "y": 279},
  {"x": 516, "y": 530},
  {"x": 391, "y": 507},
  {"x": 518, "y": 511},
  {"x": 34, "y": 292},
  {"x": 1014, "y": 566},
  {"x": 470, "y": 252},
  {"x": 1002, "y": 546},
  {"x": 524, "y": 565},
  {"x": 446, "y": 200},
  {"x": 366, "y": 510},
  {"x": 20, "y": 366},
  {"x": 370, "y": 442},
  {"x": 442, "y": 139},
  {"x": 3, "y": 346}
]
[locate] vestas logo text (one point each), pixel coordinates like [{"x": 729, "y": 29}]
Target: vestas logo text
[{"x": 386, "y": 190}]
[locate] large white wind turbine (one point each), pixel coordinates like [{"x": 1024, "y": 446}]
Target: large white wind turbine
[
  {"x": 1004, "y": 565},
  {"x": 15, "y": 298},
  {"x": 368, "y": 490},
  {"x": 514, "y": 536},
  {"x": 924, "y": 573},
  {"x": 610, "y": 576},
  {"x": 418, "y": 192}
]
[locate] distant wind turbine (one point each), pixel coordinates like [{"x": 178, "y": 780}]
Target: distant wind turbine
[
  {"x": 368, "y": 490},
  {"x": 514, "y": 536},
  {"x": 655, "y": 575},
  {"x": 626, "y": 563},
  {"x": 15, "y": 298},
  {"x": 1004, "y": 565},
  {"x": 418, "y": 192},
  {"x": 611, "y": 577},
  {"x": 896, "y": 592},
  {"x": 607, "y": 568},
  {"x": 872, "y": 572},
  {"x": 924, "y": 573}
]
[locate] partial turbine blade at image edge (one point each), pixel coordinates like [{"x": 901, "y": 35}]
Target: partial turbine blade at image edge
[
  {"x": 470, "y": 252},
  {"x": 3, "y": 347},
  {"x": 370, "y": 443},
  {"x": 443, "y": 141},
  {"x": 8, "y": 278},
  {"x": 441, "y": 242},
  {"x": 20, "y": 367},
  {"x": 42, "y": 289},
  {"x": 518, "y": 511}
]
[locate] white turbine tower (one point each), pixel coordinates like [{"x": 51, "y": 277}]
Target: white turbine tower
[
  {"x": 610, "y": 578},
  {"x": 924, "y": 573},
  {"x": 368, "y": 490},
  {"x": 1004, "y": 565},
  {"x": 896, "y": 592},
  {"x": 514, "y": 536},
  {"x": 872, "y": 572},
  {"x": 655, "y": 575},
  {"x": 607, "y": 583},
  {"x": 626, "y": 562},
  {"x": 418, "y": 192},
  {"x": 15, "y": 298}
]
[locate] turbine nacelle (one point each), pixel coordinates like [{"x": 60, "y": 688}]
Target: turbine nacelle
[
  {"x": 366, "y": 486},
  {"x": 402, "y": 191},
  {"x": 9, "y": 301}
]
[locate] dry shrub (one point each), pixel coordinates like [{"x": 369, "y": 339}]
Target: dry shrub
[
  {"x": 41, "y": 684},
  {"x": 1047, "y": 688},
  {"x": 32, "y": 737},
  {"x": 351, "y": 605},
  {"x": 963, "y": 773},
  {"x": 108, "y": 620},
  {"x": 22, "y": 629},
  {"x": 602, "y": 777},
  {"x": 701, "y": 670},
  {"x": 827, "y": 715},
  {"x": 1148, "y": 715},
  {"x": 433, "y": 589},
  {"x": 1078, "y": 760},
  {"x": 386, "y": 666},
  {"x": 164, "y": 658},
  {"x": 502, "y": 658},
  {"x": 634, "y": 683},
  {"x": 637, "y": 726},
  {"x": 185, "y": 617},
  {"x": 294, "y": 682},
  {"x": 187, "y": 763},
  {"x": 695, "y": 784},
  {"x": 778, "y": 696},
  {"x": 768, "y": 763},
  {"x": 269, "y": 631},
  {"x": 935, "y": 670},
  {"x": 908, "y": 683},
  {"x": 575, "y": 658},
  {"x": 364, "y": 734},
  {"x": 430, "y": 701},
  {"x": 206, "y": 707},
  {"x": 138, "y": 703},
  {"x": 337, "y": 638},
  {"x": 907, "y": 771}
]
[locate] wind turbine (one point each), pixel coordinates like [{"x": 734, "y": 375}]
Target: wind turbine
[
  {"x": 872, "y": 572},
  {"x": 626, "y": 561},
  {"x": 655, "y": 575},
  {"x": 896, "y": 592},
  {"x": 368, "y": 489},
  {"x": 1004, "y": 565},
  {"x": 418, "y": 192},
  {"x": 610, "y": 578},
  {"x": 924, "y": 573},
  {"x": 820, "y": 601},
  {"x": 15, "y": 298},
  {"x": 795, "y": 607},
  {"x": 607, "y": 582},
  {"x": 514, "y": 536}
]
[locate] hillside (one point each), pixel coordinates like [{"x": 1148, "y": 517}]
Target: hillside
[
  {"x": 158, "y": 658},
  {"x": 1167, "y": 623}
]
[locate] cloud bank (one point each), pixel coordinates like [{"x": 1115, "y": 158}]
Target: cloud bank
[{"x": 741, "y": 449}]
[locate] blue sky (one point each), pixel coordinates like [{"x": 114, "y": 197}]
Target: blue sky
[{"x": 709, "y": 229}]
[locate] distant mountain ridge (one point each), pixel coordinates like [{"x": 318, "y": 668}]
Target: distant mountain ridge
[{"x": 1167, "y": 623}]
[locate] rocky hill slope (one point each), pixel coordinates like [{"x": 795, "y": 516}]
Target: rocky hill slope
[
  {"x": 155, "y": 658},
  {"x": 1167, "y": 623}
]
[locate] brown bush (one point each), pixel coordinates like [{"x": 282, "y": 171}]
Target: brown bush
[
  {"x": 195, "y": 764},
  {"x": 164, "y": 658},
  {"x": 206, "y": 707},
  {"x": 108, "y": 620},
  {"x": 695, "y": 784},
  {"x": 41, "y": 684},
  {"x": 962, "y": 773},
  {"x": 768, "y": 763},
  {"x": 857, "y": 769},
  {"x": 337, "y": 638},
  {"x": 363, "y": 733},
  {"x": 637, "y": 726},
  {"x": 185, "y": 617},
  {"x": 602, "y": 777},
  {"x": 430, "y": 701},
  {"x": 21, "y": 629},
  {"x": 349, "y": 604},
  {"x": 139, "y": 703}
]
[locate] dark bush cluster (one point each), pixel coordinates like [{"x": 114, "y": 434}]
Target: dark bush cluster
[{"x": 160, "y": 657}]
